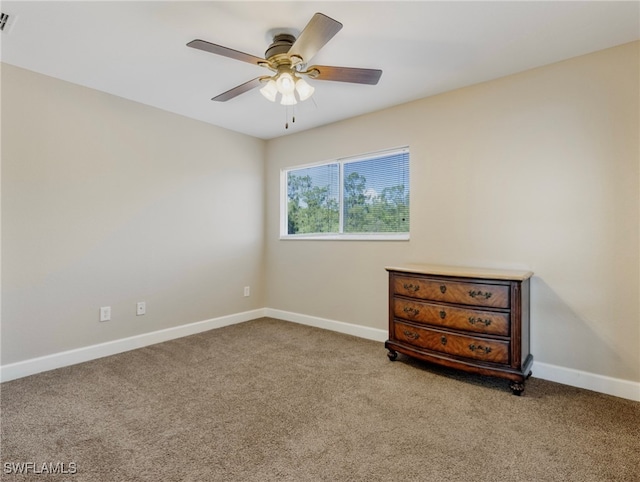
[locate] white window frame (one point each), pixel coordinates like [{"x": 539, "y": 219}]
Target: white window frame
[{"x": 284, "y": 235}]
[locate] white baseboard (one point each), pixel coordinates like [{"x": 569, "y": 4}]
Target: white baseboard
[
  {"x": 590, "y": 381},
  {"x": 360, "y": 331},
  {"x": 567, "y": 376},
  {"x": 79, "y": 355}
]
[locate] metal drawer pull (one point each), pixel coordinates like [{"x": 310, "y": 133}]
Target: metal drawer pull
[
  {"x": 443, "y": 340},
  {"x": 443, "y": 289},
  {"x": 411, "y": 287},
  {"x": 443, "y": 314},
  {"x": 410, "y": 334},
  {"x": 479, "y": 294},
  {"x": 479, "y": 321},
  {"x": 411, "y": 311},
  {"x": 473, "y": 347}
]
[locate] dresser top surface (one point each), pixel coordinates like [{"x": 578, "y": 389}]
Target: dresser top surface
[{"x": 463, "y": 271}]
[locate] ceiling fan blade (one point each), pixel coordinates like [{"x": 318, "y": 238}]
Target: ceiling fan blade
[
  {"x": 236, "y": 91},
  {"x": 225, "y": 51},
  {"x": 315, "y": 35},
  {"x": 345, "y": 74}
]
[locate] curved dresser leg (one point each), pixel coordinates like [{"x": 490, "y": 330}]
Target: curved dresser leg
[{"x": 393, "y": 355}]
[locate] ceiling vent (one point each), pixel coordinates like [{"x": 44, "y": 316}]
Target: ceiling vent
[{"x": 6, "y": 21}]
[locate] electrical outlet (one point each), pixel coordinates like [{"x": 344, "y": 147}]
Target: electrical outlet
[
  {"x": 247, "y": 290},
  {"x": 105, "y": 313},
  {"x": 141, "y": 308}
]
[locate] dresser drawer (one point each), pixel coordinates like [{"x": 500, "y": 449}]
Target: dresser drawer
[
  {"x": 477, "y": 294},
  {"x": 460, "y": 345},
  {"x": 478, "y": 321}
]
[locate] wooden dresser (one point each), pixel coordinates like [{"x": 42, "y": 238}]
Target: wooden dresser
[{"x": 475, "y": 320}]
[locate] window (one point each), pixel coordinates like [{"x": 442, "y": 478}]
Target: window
[{"x": 365, "y": 197}]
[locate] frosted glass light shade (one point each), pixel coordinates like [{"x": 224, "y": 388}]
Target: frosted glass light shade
[
  {"x": 285, "y": 83},
  {"x": 304, "y": 89},
  {"x": 270, "y": 90},
  {"x": 288, "y": 99}
]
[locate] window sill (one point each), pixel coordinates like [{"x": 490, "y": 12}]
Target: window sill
[{"x": 346, "y": 237}]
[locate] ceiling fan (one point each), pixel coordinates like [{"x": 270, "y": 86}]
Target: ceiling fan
[{"x": 287, "y": 57}]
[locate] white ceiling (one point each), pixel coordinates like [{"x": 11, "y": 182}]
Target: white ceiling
[{"x": 137, "y": 50}]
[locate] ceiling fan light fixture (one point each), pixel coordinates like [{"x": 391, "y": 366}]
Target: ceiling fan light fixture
[
  {"x": 270, "y": 90},
  {"x": 286, "y": 84},
  {"x": 304, "y": 89},
  {"x": 288, "y": 99}
]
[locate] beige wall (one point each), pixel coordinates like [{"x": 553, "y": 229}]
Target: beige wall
[
  {"x": 109, "y": 202},
  {"x": 538, "y": 170}
]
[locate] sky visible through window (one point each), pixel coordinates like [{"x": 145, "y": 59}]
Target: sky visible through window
[
  {"x": 382, "y": 173},
  {"x": 327, "y": 175}
]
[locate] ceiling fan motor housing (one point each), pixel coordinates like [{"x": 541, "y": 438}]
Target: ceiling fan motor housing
[{"x": 281, "y": 45}]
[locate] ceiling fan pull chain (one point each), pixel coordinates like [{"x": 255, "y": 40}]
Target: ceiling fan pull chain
[{"x": 293, "y": 116}]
